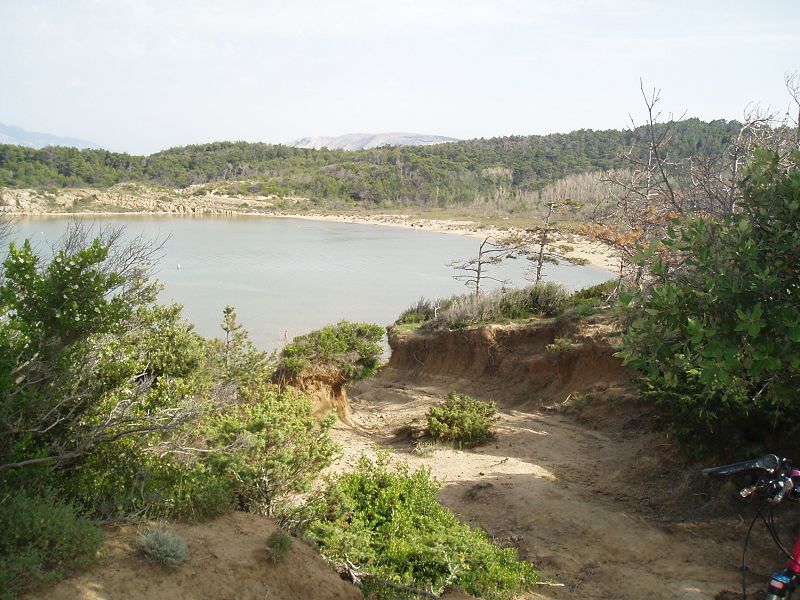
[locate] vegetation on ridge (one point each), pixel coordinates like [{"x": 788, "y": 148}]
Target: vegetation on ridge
[
  {"x": 113, "y": 407},
  {"x": 538, "y": 300},
  {"x": 506, "y": 171}
]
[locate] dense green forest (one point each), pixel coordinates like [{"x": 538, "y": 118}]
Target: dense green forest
[{"x": 430, "y": 176}]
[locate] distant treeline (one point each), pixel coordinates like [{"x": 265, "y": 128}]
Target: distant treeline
[{"x": 443, "y": 175}]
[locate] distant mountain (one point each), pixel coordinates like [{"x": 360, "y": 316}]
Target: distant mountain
[
  {"x": 16, "y": 135},
  {"x": 363, "y": 141}
]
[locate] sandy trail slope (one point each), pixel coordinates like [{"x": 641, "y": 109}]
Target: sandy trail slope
[{"x": 578, "y": 500}]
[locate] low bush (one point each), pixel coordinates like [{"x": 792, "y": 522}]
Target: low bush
[
  {"x": 559, "y": 345},
  {"x": 543, "y": 299},
  {"x": 163, "y": 547},
  {"x": 279, "y": 544},
  {"x": 424, "y": 310},
  {"x": 462, "y": 421},
  {"x": 390, "y": 525},
  {"x": 352, "y": 348},
  {"x": 540, "y": 300},
  {"x": 43, "y": 538}
]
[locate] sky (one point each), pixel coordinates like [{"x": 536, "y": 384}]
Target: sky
[{"x": 143, "y": 75}]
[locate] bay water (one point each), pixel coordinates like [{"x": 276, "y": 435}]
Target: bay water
[{"x": 289, "y": 276}]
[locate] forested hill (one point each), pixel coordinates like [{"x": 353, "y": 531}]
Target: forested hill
[{"x": 439, "y": 175}]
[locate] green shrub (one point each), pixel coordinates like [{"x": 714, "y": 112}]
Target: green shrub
[
  {"x": 389, "y": 524},
  {"x": 279, "y": 447},
  {"x": 716, "y": 340},
  {"x": 462, "y": 420},
  {"x": 353, "y": 349},
  {"x": 548, "y": 299},
  {"x": 587, "y": 301},
  {"x": 43, "y": 538},
  {"x": 597, "y": 293},
  {"x": 279, "y": 544},
  {"x": 559, "y": 345},
  {"x": 163, "y": 547}
]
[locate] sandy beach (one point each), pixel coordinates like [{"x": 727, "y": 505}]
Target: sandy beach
[
  {"x": 122, "y": 201},
  {"x": 596, "y": 253}
]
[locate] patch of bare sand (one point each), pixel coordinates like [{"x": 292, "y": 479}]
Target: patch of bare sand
[
  {"x": 228, "y": 562},
  {"x": 576, "y": 487}
]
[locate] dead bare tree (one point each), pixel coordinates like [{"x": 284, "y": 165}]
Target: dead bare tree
[
  {"x": 546, "y": 241},
  {"x": 655, "y": 191},
  {"x": 490, "y": 252}
]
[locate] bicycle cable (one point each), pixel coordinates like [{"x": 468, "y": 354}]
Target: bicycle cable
[
  {"x": 773, "y": 531},
  {"x": 744, "y": 552}
]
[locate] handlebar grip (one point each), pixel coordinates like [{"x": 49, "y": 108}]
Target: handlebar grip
[{"x": 768, "y": 462}]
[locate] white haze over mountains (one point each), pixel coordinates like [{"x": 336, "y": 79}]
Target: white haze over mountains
[
  {"x": 33, "y": 139},
  {"x": 364, "y": 141},
  {"x": 351, "y": 141}
]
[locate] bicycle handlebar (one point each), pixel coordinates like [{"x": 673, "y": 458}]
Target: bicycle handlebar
[{"x": 768, "y": 462}]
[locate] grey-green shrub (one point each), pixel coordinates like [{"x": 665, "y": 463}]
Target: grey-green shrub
[
  {"x": 279, "y": 544},
  {"x": 542, "y": 299},
  {"x": 163, "y": 547}
]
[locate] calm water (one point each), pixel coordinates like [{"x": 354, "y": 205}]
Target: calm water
[{"x": 293, "y": 275}]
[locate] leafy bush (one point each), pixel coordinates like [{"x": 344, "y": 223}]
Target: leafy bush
[
  {"x": 717, "y": 339},
  {"x": 164, "y": 547},
  {"x": 353, "y": 349},
  {"x": 279, "y": 446},
  {"x": 43, "y": 538},
  {"x": 390, "y": 525},
  {"x": 279, "y": 545},
  {"x": 462, "y": 420},
  {"x": 149, "y": 418}
]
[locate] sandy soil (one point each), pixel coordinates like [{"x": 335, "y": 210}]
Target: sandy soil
[
  {"x": 583, "y": 489},
  {"x": 228, "y": 562},
  {"x": 574, "y": 480}
]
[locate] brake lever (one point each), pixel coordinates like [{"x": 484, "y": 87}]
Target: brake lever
[
  {"x": 787, "y": 485},
  {"x": 747, "y": 491}
]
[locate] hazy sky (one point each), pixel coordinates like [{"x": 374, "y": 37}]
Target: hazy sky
[{"x": 142, "y": 75}]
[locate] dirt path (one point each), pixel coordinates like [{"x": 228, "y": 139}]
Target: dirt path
[{"x": 565, "y": 494}]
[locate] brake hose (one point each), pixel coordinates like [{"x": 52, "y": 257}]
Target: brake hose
[{"x": 744, "y": 551}]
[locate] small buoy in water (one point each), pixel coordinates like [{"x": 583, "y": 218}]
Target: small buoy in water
[{"x": 179, "y": 266}]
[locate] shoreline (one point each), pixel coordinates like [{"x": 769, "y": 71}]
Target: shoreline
[{"x": 595, "y": 253}]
